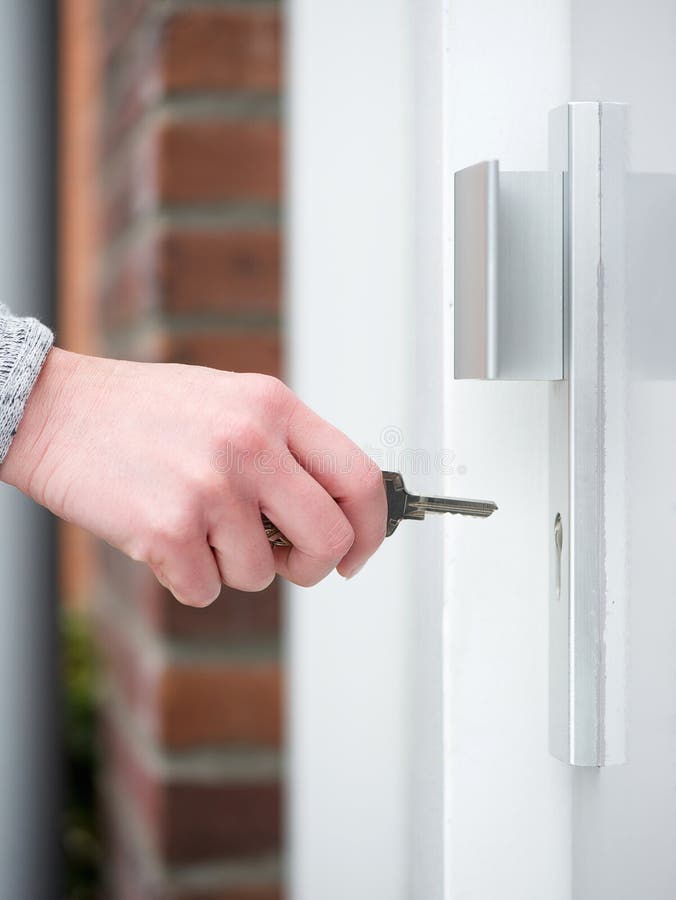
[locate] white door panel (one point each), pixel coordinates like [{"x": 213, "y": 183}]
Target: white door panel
[
  {"x": 508, "y": 802},
  {"x": 519, "y": 823},
  {"x": 420, "y": 765},
  {"x": 349, "y": 308},
  {"x": 624, "y": 818}
]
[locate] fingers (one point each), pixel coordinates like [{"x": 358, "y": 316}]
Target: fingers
[
  {"x": 190, "y": 572},
  {"x": 242, "y": 550},
  {"x": 329, "y": 501},
  {"x": 318, "y": 529},
  {"x": 348, "y": 475},
  {"x": 301, "y": 568}
]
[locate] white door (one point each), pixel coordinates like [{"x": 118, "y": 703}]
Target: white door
[{"x": 421, "y": 696}]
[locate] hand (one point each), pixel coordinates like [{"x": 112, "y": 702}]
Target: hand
[{"x": 174, "y": 464}]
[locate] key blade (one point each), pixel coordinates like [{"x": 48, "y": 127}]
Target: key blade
[
  {"x": 454, "y": 505},
  {"x": 403, "y": 505}
]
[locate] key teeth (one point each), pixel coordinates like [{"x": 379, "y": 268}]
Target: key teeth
[{"x": 416, "y": 514}]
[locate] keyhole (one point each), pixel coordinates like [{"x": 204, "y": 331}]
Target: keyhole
[{"x": 558, "y": 543}]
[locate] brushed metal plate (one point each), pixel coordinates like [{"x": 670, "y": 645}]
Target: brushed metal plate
[
  {"x": 587, "y": 416},
  {"x": 508, "y": 274}
]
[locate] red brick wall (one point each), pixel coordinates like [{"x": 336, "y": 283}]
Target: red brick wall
[
  {"x": 79, "y": 93},
  {"x": 188, "y": 269}
]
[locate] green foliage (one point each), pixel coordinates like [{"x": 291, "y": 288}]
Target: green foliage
[{"x": 80, "y": 826}]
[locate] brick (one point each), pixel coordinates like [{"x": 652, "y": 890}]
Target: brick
[
  {"x": 133, "y": 78},
  {"x": 123, "y": 877},
  {"x": 185, "y": 271},
  {"x": 211, "y": 703},
  {"x": 192, "y": 703},
  {"x": 78, "y": 574},
  {"x": 236, "y": 350},
  {"x": 79, "y": 85},
  {"x": 212, "y": 49},
  {"x": 196, "y": 821},
  {"x": 131, "y": 878},
  {"x": 131, "y": 90},
  {"x": 131, "y": 191},
  {"x": 132, "y": 292},
  {"x": 187, "y": 137},
  {"x": 190, "y": 50},
  {"x": 207, "y": 821},
  {"x": 220, "y": 271},
  {"x": 236, "y": 615},
  {"x": 231, "y": 349},
  {"x": 209, "y": 162},
  {"x": 193, "y": 162},
  {"x": 119, "y": 18},
  {"x": 242, "y": 893},
  {"x": 133, "y": 675}
]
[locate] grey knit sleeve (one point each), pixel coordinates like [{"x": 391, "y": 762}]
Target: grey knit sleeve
[{"x": 24, "y": 345}]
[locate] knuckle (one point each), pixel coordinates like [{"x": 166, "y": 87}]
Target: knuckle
[
  {"x": 268, "y": 389},
  {"x": 175, "y": 528},
  {"x": 273, "y": 387},
  {"x": 203, "y": 488},
  {"x": 247, "y": 436},
  {"x": 275, "y": 398}
]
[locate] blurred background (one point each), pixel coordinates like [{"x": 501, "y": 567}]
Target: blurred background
[
  {"x": 156, "y": 127},
  {"x": 146, "y": 747}
]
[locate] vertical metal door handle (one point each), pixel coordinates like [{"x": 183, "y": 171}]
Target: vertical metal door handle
[{"x": 539, "y": 295}]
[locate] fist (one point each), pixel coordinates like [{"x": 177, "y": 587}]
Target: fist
[{"x": 175, "y": 464}]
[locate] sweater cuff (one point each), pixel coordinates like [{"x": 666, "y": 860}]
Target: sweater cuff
[{"x": 24, "y": 345}]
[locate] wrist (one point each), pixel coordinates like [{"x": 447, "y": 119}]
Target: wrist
[{"x": 44, "y": 414}]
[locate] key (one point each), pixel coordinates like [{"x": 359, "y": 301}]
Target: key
[{"x": 402, "y": 505}]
